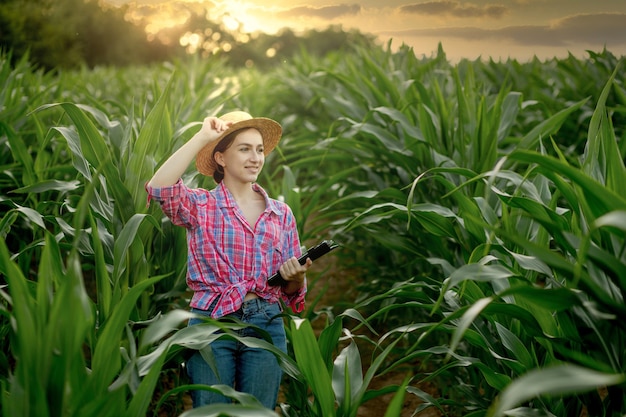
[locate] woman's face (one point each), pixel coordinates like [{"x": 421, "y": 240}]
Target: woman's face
[{"x": 244, "y": 158}]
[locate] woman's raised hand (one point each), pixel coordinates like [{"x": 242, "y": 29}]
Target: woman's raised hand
[
  {"x": 174, "y": 167},
  {"x": 212, "y": 128}
]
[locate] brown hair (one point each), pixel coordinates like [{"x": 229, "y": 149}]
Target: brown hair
[{"x": 218, "y": 174}]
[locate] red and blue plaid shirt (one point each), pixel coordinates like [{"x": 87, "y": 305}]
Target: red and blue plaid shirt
[{"x": 227, "y": 257}]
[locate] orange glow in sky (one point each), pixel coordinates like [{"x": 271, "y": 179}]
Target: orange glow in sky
[{"x": 500, "y": 29}]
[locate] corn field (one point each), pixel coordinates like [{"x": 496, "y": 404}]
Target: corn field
[{"x": 479, "y": 206}]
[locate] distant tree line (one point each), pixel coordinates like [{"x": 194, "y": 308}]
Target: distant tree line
[
  {"x": 71, "y": 33},
  {"x": 74, "y": 33}
]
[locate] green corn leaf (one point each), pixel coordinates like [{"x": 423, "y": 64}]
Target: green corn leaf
[
  {"x": 549, "y": 126},
  {"x": 33, "y": 215},
  {"x": 427, "y": 399},
  {"x": 548, "y": 299},
  {"x": 396, "y": 405},
  {"x": 106, "y": 360},
  {"x": 103, "y": 278},
  {"x": 354, "y": 314},
  {"x": 374, "y": 368},
  {"x": 20, "y": 153},
  {"x": 602, "y": 159},
  {"x": 125, "y": 240},
  {"x": 600, "y": 199},
  {"x": 328, "y": 341},
  {"x": 551, "y": 381},
  {"x": 515, "y": 346},
  {"x": 143, "y": 396},
  {"x": 69, "y": 327},
  {"x": 192, "y": 337},
  {"x": 139, "y": 167},
  {"x": 347, "y": 379},
  {"x": 112, "y": 404},
  {"x": 229, "y": 410},
  {"x": 50, "y": 185},
  {"x": 597, "y": 289},
  {"x": 92, "y": 144},
  {"x": 198, "y": 337},
  {"x": 477, "y": 272},
  {"x": 26, "y": 393},
  {"x": 467, "y": 319},
  {"x": 494, "y": 378},
  {"x": 437, "y": 220},
  {"x": 89, "y": 146},
  {"x": 162, "y": 326},
  {"x": 309, "y": 359}
]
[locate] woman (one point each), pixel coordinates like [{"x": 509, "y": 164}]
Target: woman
[{"x": 237, "y": 237}]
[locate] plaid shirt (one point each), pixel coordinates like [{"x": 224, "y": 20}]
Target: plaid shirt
[{"x": 227, "y": 257}]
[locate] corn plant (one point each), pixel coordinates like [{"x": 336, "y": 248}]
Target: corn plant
[
  {"x": 478, "y": 206},
  {"x": 53, "y": 324},
  {"x": 538, "y": 254},
  {"x": 331, "y": 383}
]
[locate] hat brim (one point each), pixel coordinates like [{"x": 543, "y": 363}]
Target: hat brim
[{"x": 270, "y": 130}]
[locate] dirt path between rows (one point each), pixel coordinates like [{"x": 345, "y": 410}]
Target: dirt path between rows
[{"x": 336, "y": 287}]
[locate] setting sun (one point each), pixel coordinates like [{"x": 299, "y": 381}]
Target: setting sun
[
  {"x": 236, "y": 16},
  {"x": 473, "y": 29}
]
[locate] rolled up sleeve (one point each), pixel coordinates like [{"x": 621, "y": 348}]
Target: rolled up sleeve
[
  {"x": 176, "y": 203},
  {"x": 292, "y": 248}
]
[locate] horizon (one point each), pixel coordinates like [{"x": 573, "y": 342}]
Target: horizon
[{"x": 514, "y": 29}]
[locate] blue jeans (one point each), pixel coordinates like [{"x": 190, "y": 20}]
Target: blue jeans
[{"x": 251, "y": 370}]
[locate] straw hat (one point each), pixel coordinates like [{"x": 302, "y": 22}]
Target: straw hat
[{"x": 271, "y": 132}]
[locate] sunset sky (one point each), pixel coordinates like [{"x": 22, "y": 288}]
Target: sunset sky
[{"x": 518, "y": 29}]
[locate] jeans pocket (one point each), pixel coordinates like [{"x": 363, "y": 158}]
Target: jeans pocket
[
  {"x": 271, "y": 312},
  {"x": 204, "y": 313}
]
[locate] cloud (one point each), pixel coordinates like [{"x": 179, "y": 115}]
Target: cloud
[
  {"x": 590, "y": 29},
  {"x": 454, "y": 8},
  {"x": 599, "y": 27},
  {"x": 325, "y": 12},
  {"x": 163, "y": 12}
]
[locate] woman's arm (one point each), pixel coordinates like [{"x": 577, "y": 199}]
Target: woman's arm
[{"x": 174, "y": 167}]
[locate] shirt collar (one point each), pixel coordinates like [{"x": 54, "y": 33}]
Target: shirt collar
[{"x": 225, "y": 198}]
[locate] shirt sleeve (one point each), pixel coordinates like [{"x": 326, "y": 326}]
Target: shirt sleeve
[
  {"x": 295, "y": 301},
  {"x": 292, "y": 248},
  {"x": 177, "y": 203}
]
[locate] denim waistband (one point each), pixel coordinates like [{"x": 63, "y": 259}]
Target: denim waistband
[{"x": 252, "y": 306}]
